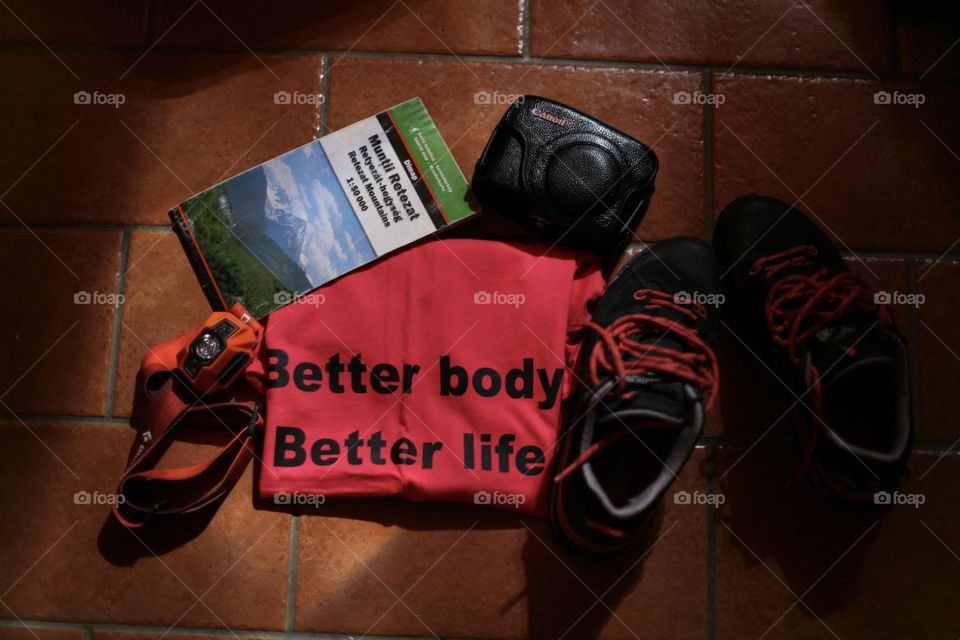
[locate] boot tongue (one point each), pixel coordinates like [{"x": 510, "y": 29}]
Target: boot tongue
[
  {"x": 667, "y": 399},
  {"x": 839, "y": 349},
  {"x": 656, "y": 393}
]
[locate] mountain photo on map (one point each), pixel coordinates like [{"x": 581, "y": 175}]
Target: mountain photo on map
[{"x": 277, "y": 230}]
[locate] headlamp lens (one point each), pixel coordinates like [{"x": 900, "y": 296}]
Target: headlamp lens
[{"x": 207, "y": 347}]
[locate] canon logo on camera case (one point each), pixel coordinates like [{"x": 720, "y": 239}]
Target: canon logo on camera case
[{"x": 549, "y": 117}]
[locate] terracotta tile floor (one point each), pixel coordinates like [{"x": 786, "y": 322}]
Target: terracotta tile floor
[{"x": 84, "y": 190}]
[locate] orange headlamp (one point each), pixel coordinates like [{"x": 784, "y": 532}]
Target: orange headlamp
[{"x": 219, "y": 352}]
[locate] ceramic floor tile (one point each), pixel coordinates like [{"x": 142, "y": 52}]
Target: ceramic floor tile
[
  {"x": 65, "y": 558},
  {"x": 928, "y": 39},
  {"x": 855, "y": 573},
  {"x": 163, "y": 299},
  {"x": 438, "y": 26},
  {"x": 939, "y": 349},
  {"x": 121, "y": 137},
  {"x": 877, "y": 175},
  {"x": 821, "y": 34},
  {"x": 97, "y": 22},
  {"x": 59, "y": 299},
  {"x": 462, "y": 571}
]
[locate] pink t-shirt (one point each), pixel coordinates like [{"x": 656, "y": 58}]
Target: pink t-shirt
[{"x": 437, "y": 373}]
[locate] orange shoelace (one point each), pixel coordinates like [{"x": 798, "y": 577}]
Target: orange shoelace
[
  {"x": 618, "y": 352},
  {"x": 800, "y": 305}
]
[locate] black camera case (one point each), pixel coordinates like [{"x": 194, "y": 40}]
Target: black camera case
[{"x": 577, "y": 179}]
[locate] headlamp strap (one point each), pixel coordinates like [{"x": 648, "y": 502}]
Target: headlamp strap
[{"x": 173, "y": 407}]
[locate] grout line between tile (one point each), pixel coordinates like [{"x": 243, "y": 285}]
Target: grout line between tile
[
  {"x": 117, "y": 325},
  {"x": 897, "y": 52},
  {"x": 68, "y": 419},
  {"x": 95, "y": 627},
  {"x": 789, "y": 72},
  {"x": 708, "y": 155},
  {"x": 325, "y": 90},
  {"x": 744, "y": 442},
  {"x": 937, "y": 449},
  {"x": 931, "y": 448},
  {"x": 711, "y": 550},
  {"x": 87, "y": 226},
  {"x": 151, "y": 23},
  {"x": 810, "y": 72},
  {"x": 639, "y": 65},
  {"x": 290, "y": 613},
  {"x": 526, "y": 25},
  {"x": 899, "y": 255},
  {"x": 43, "y": 624},
  {"x": 916, "y": 375}
]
